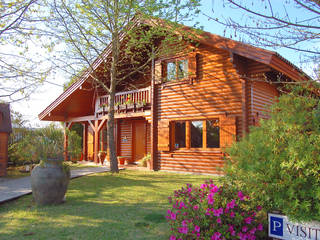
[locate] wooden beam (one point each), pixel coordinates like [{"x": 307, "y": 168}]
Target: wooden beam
[
  {"x": 65, "y": 142},
  {"x": 188, "y": 135},
  {"x": 101, "y": 124},
  {"x": 96, "y": 141},
  {"x": 81, "y": 119},
  {"x": 85, "y": 141},
  {"x": 91, "y": 125},
  {"x": 244, "y": 107}
]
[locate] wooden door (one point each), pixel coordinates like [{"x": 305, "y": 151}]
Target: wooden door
[{"x": 139, "y": 140}]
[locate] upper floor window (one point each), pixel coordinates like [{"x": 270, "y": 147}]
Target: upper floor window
[{"x": 177, "y": 69}]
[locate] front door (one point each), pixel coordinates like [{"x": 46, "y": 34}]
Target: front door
[{"x": 139, "y": 140}]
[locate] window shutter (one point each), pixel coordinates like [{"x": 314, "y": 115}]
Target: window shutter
[
  {"x": 192, "y": 65},
  {"x": 157, "y": 72},
  {"x": 164, "y": 135},
  {"x": 227, "y": 131}
]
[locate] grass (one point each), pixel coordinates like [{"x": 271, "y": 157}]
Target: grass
[{"x": 128, "y": 205}]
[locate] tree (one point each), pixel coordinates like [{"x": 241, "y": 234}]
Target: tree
[
  {"x": 109, "y": 29},
  {"x": 21, "y": 70},
  {"x": 292, "y": 24}
]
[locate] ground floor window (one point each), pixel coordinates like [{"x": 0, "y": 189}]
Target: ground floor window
[{"x": 196, "y": 134}]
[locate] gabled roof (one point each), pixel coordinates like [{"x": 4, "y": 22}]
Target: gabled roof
[
  {"x": 5, "y": 119},
  {"x": 270, "y": 58}
]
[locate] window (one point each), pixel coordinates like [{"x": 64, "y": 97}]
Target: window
[
  {"x": 177, "y": 69},
  {"x": 180, "y": 135},
  {"x": 213, "y": 133},
  {"x": 197, "y": 134}
]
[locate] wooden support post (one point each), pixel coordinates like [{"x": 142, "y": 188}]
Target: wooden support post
[
  {"x": 67, "y": 126},
  {"x": 85, "y": 141},
  {"x": 244, "y": 103},
  {"x": 65, "y": 142},
  {"x": 96, "y": 141}
]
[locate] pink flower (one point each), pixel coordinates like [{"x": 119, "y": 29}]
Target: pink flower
[
  {"x": 232, "y": 231},
  {"x": 173, "y": 216},
  {"x": 183, "y": 230},
  {"x": 232, "y": 215},
  {"x": 252, "y": 231},
  {"x": 172, "y": 237},
  {"x": 260, "y": 227},
  {"x": 195, "y": 207},
  {"x": 197, "y": 228},
  {"x": 203, "y": 186},
  {"x": 259, "y": 208},
  {"x": 240, "y": 195},
  {"x": 248, "y": 220},
  {"x": 242, "y": 236},
  {"x": 216, "y": 236},
  {"x": 219, "y": 220},
  {"x": 184, "y": 223},
  {"x": 231, "y": 204},
  {"x": 210, "y": 198},
  {"x": 214, "y": 189},
  {"x": 217, "y": 212},
  {"x": 244, "y": 229}
]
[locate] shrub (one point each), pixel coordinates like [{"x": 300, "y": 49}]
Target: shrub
[
  {"x": 278, "y": 163},
  {"x": 37, "y": 145},
  {"x": 144, "y": 160},
  {"x": 212, "y": 212}
]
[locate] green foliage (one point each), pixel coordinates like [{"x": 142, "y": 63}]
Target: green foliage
[
  {"x": 36, "y": 145},
  {"x": 49, "y": 143},
  {"x": 144, "y": 160},
  {"x": 278, "y": 163},
  {"x": 74, "y": 145}
]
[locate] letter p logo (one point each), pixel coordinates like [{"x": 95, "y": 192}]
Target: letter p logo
[{"x": 276, "y": 226}]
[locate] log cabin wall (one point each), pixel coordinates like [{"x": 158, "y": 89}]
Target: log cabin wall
[
  {"x": 217, "y": 90},
  {"x": 125, "y": 138},
  {"x": 261, "y": 94}
]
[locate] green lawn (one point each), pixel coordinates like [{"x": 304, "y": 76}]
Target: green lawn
[{"x": 128, "y": 205}]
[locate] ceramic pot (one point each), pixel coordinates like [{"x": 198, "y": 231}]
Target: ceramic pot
[{"x": 49, "y": 182}]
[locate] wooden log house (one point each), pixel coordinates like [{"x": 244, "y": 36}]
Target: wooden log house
[
  {"x": 196, "y": 104},
  {"x": 5, "y": 130}
]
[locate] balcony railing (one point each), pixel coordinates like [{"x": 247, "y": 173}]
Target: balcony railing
[{"x": 125, "y": 101}]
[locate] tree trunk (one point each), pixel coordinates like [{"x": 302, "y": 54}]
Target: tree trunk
[{"x": 113, "y": 83}]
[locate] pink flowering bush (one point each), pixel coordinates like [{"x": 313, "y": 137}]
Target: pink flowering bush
[{"x": 214, "y": 213}]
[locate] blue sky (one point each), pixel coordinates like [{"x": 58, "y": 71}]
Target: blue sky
[{"x": 48, "y": 93}]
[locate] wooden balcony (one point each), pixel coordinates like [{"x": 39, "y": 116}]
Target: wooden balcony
[{"x": 131, "y": 101}]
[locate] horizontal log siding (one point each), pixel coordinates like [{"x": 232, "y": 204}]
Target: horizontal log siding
[
  {"x": 126, "y": 131},
  {"x": 216, "y": 91},
  {"x": 262, "y": 96}
]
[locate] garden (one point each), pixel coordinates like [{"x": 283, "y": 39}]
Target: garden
[
  {"x": 128, "y": 205},
  {"x": 275, "y": 168}
]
